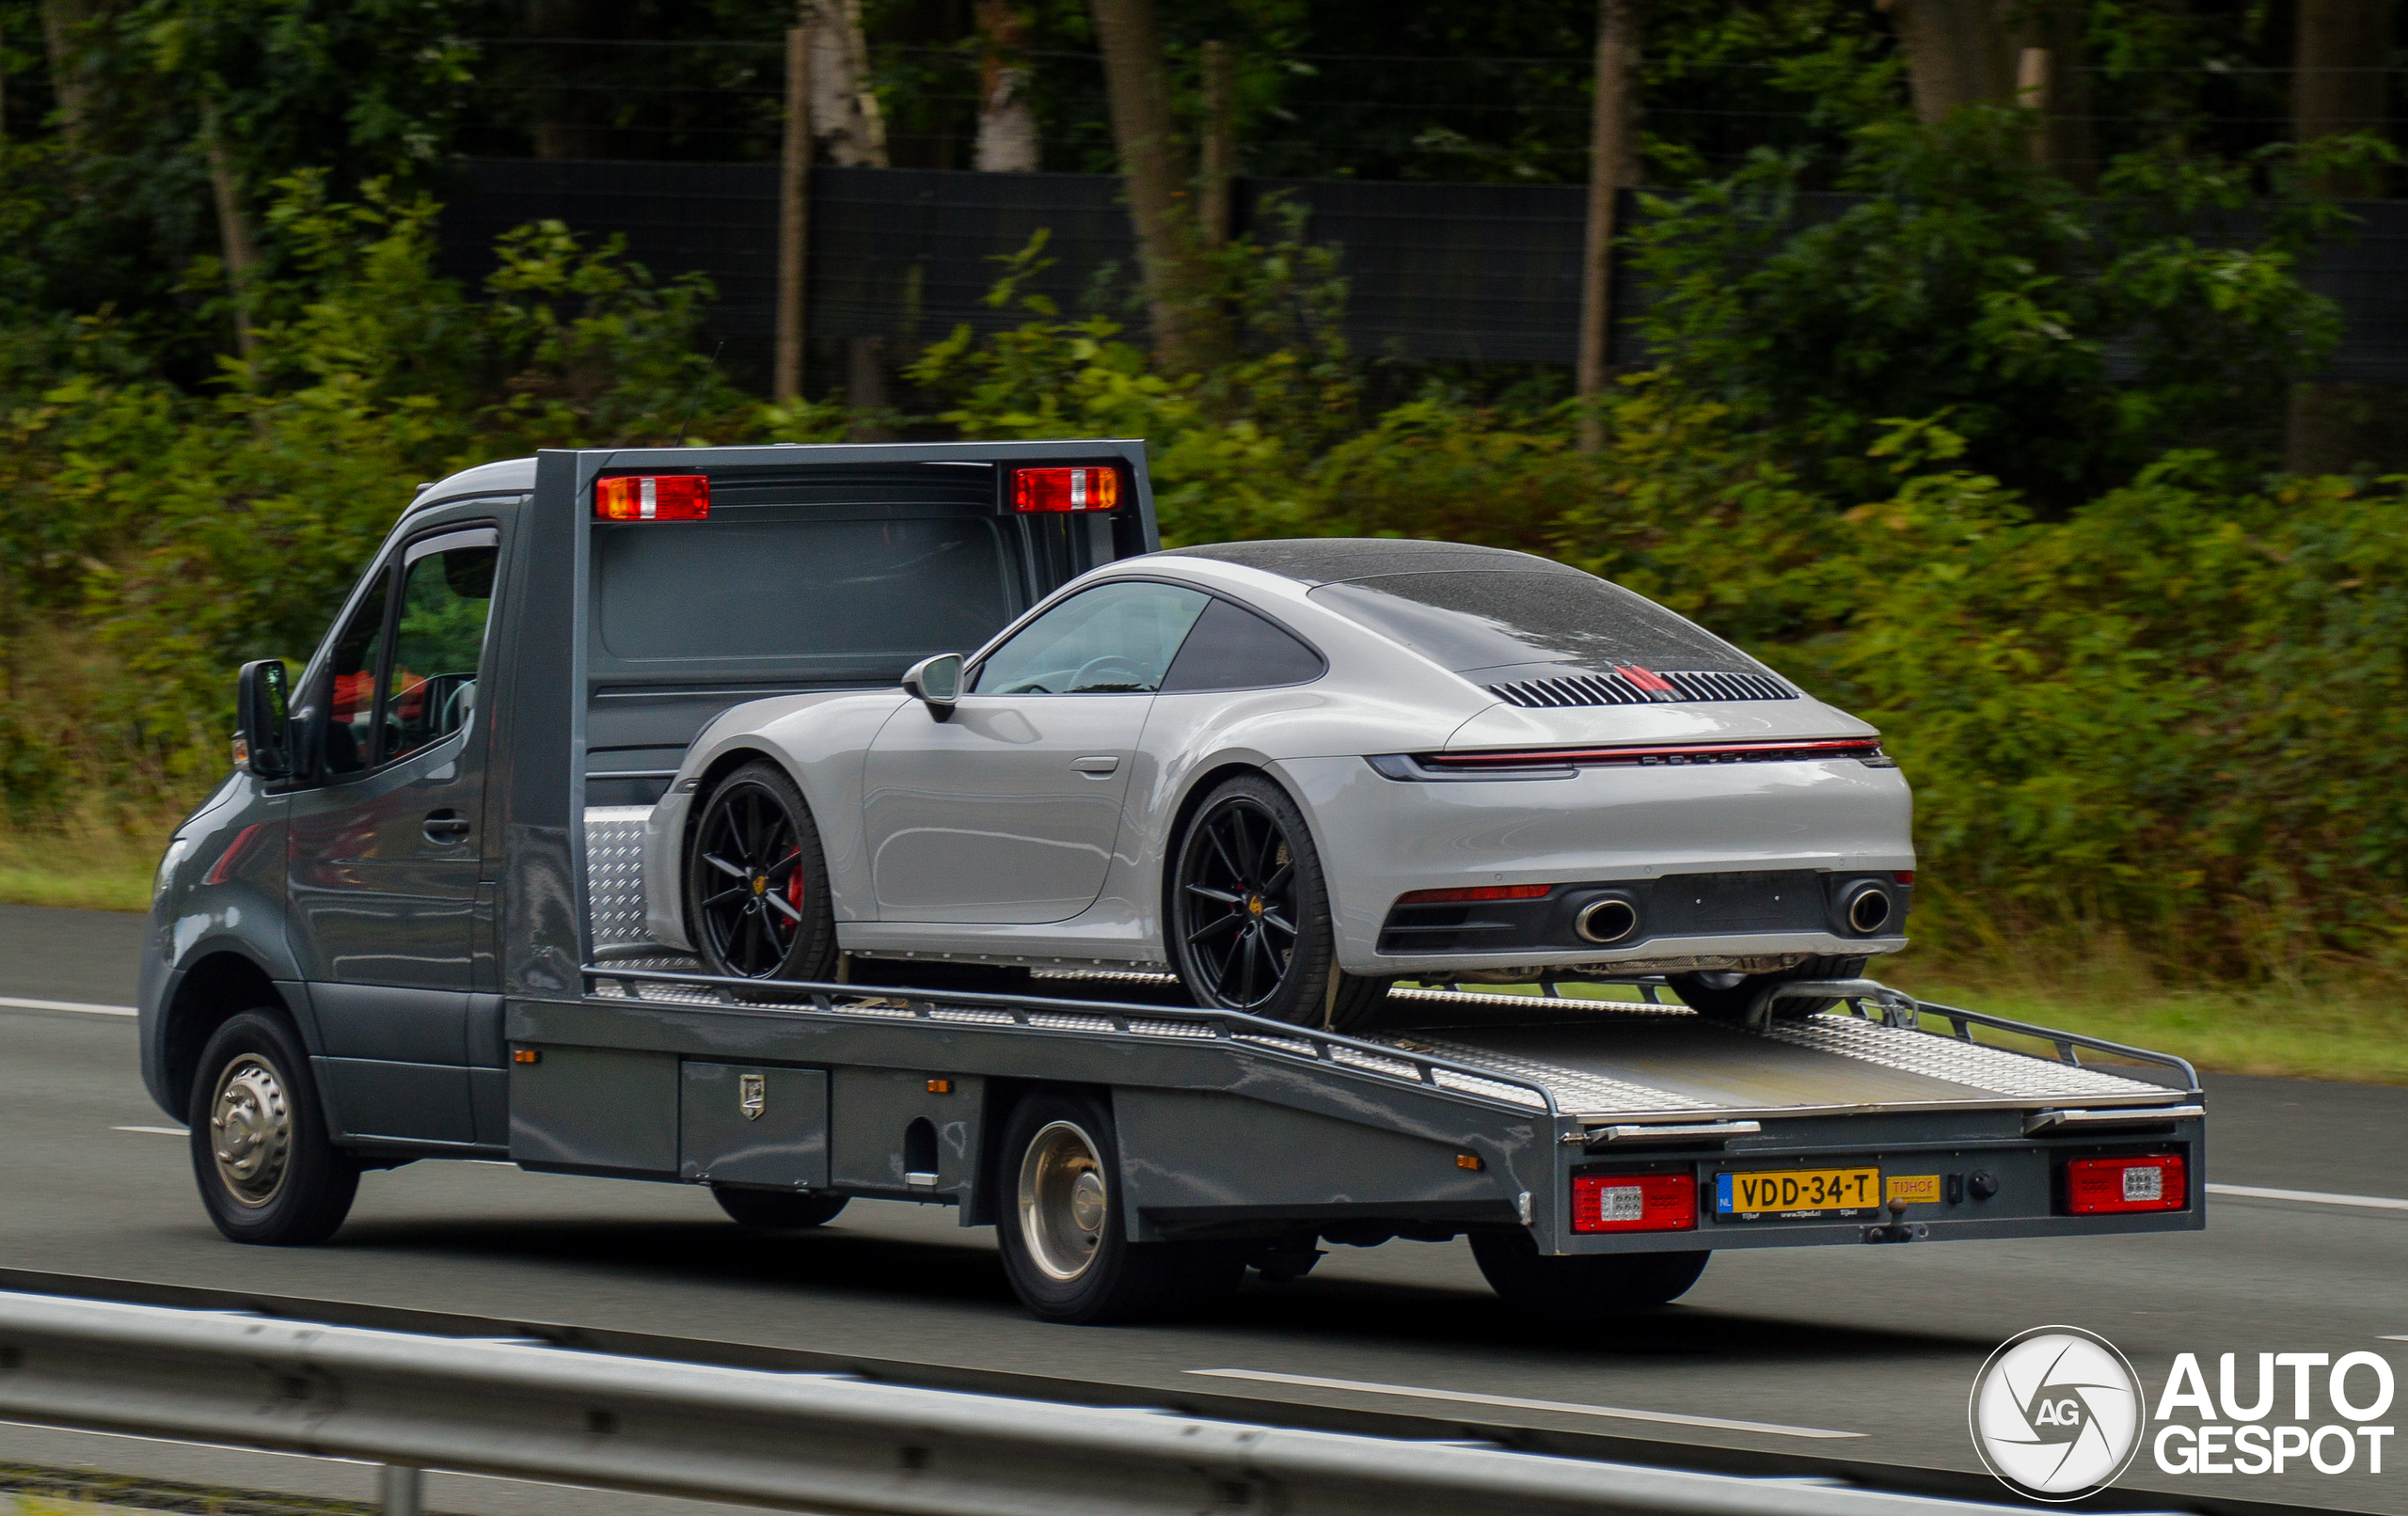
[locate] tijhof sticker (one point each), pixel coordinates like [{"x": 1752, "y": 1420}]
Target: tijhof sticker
[{"x": 2057, "y": 1414}]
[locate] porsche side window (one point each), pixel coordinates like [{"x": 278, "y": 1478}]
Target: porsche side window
[
  {"x": 1115, "y": 638},
  {"x": 1232, "y": 648}
]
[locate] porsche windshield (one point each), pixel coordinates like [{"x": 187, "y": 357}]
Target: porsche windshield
[{"x": 1468, "y": 620}]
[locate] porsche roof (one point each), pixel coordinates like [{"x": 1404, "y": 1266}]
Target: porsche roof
[{"x": 1338, "y": 560}]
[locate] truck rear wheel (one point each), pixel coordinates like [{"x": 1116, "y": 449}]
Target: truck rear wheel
[
  {"x": 777, "y": 1210},
  {"x": 756, "y": 882},
  {"x": 1589, "y": 1287},
  {"x": 1064, "y": 1233},
  {"x": 267, "y": 1171},
  {"x": 1250, "y": 928}
]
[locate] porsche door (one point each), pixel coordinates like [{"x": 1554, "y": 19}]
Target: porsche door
[{"x": 1006, "y": 812}]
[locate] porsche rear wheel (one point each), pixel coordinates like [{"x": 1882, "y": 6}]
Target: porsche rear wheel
[
  {"x": 756, "y": 882},
  {"x": 1249, "y": 917}
]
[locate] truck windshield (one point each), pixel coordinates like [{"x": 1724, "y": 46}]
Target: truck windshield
[{"x": 1470, "y": 620}]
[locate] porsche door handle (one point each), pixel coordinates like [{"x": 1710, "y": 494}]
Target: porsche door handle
[
  {"x": 446, "y": 826},
  {"x": 1097, "y": 766}
]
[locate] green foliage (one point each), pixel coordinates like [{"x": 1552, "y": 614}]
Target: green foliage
[{"x": 2067, "y": 340}]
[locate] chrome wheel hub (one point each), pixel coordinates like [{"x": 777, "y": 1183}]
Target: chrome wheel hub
[
  {"x": 250, "y": 1130},
  {"x": 1064, "y": 1203}
]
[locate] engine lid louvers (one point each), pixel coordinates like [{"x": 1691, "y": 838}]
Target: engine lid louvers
[{"x": 1629, "y": 684}]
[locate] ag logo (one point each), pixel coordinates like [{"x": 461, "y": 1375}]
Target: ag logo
[{"x": 2057, "y": 1414}]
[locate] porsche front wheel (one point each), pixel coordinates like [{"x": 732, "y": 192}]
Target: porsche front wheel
[
  {"x": 1249, "y": 920},
  {"x": 756, "y": 882}
]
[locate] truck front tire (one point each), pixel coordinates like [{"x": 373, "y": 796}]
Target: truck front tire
[
  {"x": 1581, "y": 1287},
  {"x": 267, "y": 1171},
  {"x": 1064, "y": 1233}
]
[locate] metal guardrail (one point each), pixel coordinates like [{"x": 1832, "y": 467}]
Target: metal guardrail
[{"x": 824, "y": 1443}]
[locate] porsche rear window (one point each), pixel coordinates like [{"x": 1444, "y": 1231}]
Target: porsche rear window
[{"x": 1479, "y": 619}]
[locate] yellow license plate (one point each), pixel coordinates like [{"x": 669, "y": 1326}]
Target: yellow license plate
[{"x": 1797, "y": 1192}]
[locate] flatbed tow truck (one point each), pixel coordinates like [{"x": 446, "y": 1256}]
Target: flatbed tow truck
[{"x": 443, "y": 956}]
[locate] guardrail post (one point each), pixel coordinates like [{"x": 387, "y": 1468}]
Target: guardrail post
[{"x": 400, "y": 1490}]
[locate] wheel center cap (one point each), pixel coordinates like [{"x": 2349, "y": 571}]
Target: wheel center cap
[
  {"x": 760, "y": 884},
  {"x": 1254, "y": 905}
]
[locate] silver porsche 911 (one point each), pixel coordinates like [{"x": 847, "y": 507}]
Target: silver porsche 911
[{"x": 1292, "y": 773}]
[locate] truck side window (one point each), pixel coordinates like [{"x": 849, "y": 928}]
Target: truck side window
[
  {"x": 351, "y": 694},
  {"x": 431, "y": 690}
]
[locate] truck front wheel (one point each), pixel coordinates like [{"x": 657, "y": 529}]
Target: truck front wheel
[
  {"x": 1065, "y": 1240},
  {"x": 267, "y": 1171},
  {"x": 1581, "y": 1287}
]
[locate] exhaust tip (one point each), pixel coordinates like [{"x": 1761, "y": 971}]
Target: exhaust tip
[
  {"x": 1868, "y": 910},
  {"x": 1607, "y": 921}
]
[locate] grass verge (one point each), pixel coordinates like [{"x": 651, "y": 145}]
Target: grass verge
[{"x": 89, "y": 868}]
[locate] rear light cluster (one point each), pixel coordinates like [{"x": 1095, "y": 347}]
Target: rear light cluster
[
  {"x": 1093, "y": 488},
  {"x": 2117, "y": 1186},
  {"x": 653, "y": 497},
  {"x": 1475, "y": 892},
  {"x": 1687, "y": 753},
  {"x": 1633, "y": 1203}
]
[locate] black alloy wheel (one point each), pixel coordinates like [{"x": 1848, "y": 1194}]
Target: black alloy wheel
[
  {"x": 756, "y": 883},
  {"x": 1249, "y": 914}
]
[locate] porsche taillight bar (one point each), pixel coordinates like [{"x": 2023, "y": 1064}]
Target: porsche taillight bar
[{"x": 1414, "y": 766}]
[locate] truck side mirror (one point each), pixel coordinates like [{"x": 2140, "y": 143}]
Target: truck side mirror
[
  {"x": 263, "y": 719},
  {"x": 935, "y": 683}
]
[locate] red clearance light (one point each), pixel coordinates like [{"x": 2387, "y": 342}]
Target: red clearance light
[
  {"x": 1904, "y": 875},
  {"x": 1478, "y": 892},
  {"x": 2112, "y": 1186},
  {"x": 653, "y": 497},
  {"x": 1066, "y": 489},
  {"x": 1633, "y": 1203}
]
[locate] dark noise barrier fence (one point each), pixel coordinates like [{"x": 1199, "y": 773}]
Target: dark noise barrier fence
[{"x": 1446, "y": 273}]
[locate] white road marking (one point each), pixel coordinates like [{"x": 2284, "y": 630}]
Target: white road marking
[
  {"x": 10, "y": 1002},
  {"x": 155, "y": 1131},
  {"x": 1515, "y": 1402},
  {"x": 2310, "y": 1197}
]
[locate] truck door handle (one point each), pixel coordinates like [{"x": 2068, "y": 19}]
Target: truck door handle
[
  {"x": 1099, "y": 765},
  {"x": 446, "y": 826}
]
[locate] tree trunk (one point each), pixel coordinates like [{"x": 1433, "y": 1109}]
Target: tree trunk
[
  {"x": 2341, "y": 84},
  {"x": 2339, "y": 88},
  {"x": 234, "y": 231},
  {"x": 1009, "y": 141},
  {"x": 844, "y": 109},
  {"x": 2067, "y": 141},
  {"x": 794, "y": 219},
  {"x": 1612, "y": 162},
  {"x": 1958, "y": 53},
  {"x": 1153, "y": 174},
  {"x": 572, "y": 96},
  {"x": 66, "y": 34},
  {"x": 1216, "y": 171}
]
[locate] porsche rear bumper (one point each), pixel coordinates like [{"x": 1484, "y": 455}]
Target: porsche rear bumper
[{"x": 1381, "y": 838}]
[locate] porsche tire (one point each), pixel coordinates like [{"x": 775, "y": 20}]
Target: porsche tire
[
  {"x": 1581, "y": 1287},
  {"x": 1248, "y": 914},
  {"x": 1727, "y": 996},
  {"x": 757, "y": 903},
  {"x": 268, "y": 1172},
  {"x": 1064, "y": 1233}
]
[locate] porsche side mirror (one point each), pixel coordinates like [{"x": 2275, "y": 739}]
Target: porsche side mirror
[
  {"x": 263, "y": 717},
  {"x": 936, "y": 682}
]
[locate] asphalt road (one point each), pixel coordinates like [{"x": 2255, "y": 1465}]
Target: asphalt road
[{"x": 1878, "y": 1343}]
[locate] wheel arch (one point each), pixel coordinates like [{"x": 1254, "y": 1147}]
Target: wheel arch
[
  {"x": 1208, "y": 777},
  {"x": 211, "y": 991}
]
